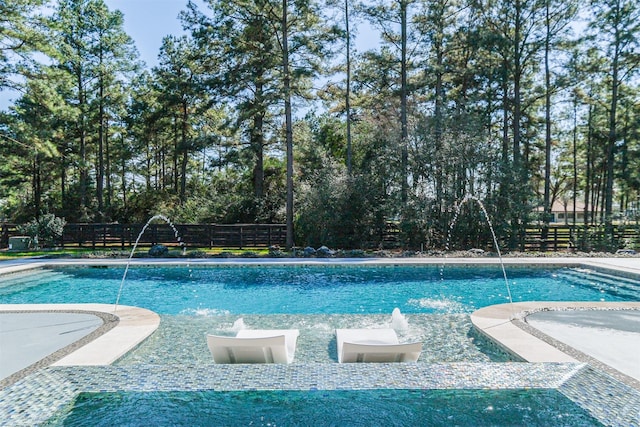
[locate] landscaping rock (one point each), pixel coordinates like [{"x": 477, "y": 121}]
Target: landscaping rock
[
  {"x": 476, "y": 251},
  {"x": 324, "y": 252},
  {"x": 309, "y": 251},
  {"x": 625, "y": 252},
  {"x": 274, "y": 250},
  {"x": 158, "y": 251}
]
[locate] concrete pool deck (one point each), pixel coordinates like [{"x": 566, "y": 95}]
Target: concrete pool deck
[
  {"x": 506, "y": 324},
  {"x": 33, "y": 336}
]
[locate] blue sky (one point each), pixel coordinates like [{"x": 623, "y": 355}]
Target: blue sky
[{"x": 148, "y": 21}]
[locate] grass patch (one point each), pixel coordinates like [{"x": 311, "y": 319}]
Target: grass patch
[{"x": 139, "y": 253}]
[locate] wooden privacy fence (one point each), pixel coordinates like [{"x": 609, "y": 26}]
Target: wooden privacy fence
[
  {"x": 194, "y": 236},
  {"x": 559, "y": 237},
  {"x": 565, "y": 237}
]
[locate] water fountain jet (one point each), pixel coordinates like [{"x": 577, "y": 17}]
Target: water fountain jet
[
  {"x": 398, "y": 321},
  {"x": 126, "y": 270},
  {"x": 493, "y": 235},
  {"x": 238, "y": 325}
]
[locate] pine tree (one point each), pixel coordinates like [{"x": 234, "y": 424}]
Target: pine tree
[{"x": 616, "y": 27}]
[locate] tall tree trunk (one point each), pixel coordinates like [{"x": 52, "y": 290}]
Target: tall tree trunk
[
  {"x": 176, "y": 156},
  {"x": 123, "y": 178},
  {"x": 547, "y": 120},
  {"x": 438, "y": 113},
  {"x": 519, "y": 166},
  {"x": 508, "y": 180},
  {"x": 589, "y": 168},
  {"x": 625, "y": 173},
  {"x": 100, "y": 168},
  {"x": 517, "y": 106},
  {"x": 403, "y": 104},
  {"x": 288, "y": 125},
  {"x": 84, "y": 175},
  {"x": 63, "y": 177},
  {"x": 258, "y": 148},
  {"x": 36, "y": 185},
  {"x": 107, "y": 169},
  {"x": 348, "y": 91},
  {"x": 185, "y": 152},
  {"x": 148, "y": 160},
  {"x": 575, "y": 158},
  {"x": 257, "y": 138},
  {"x": 611, "y": 144}
]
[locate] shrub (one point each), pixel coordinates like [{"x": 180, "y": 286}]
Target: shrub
[{"x": 45, "y": 231}]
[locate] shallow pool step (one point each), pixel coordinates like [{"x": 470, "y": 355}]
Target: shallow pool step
[
  {"x": 621, "y": 286},
  {"x": 20, "y": 281},
  {"x": 610, "y": 278}
]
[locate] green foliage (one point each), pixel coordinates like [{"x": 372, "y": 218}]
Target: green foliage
[
  {"x": 20, "y": 36},
  {"x": 417, "y": 226},
  {"x": 459, "y": 109},
  {"x": 45, "y": 231},
  {"x": 340, "y": 211}
]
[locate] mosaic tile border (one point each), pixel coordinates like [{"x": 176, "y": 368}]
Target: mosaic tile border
[
  {"x": 608, "y": 400},
  {"x": 38, "y": 397}
]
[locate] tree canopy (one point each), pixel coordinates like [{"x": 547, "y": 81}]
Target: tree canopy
[{"x": 266, "y": 111}]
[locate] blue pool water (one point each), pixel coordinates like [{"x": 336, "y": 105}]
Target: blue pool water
[
  {"x": 327, "y": 408},
  {"x": 316, "y": 299},
  {"x": 312, "y": 289}
]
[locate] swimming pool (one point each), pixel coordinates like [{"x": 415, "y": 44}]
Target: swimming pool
[
  {"x": 305, "y": 289},
  {"x": 193, "y": 300},
  {"x": 173, "y": 365}
]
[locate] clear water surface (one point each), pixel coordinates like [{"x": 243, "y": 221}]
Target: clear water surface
[
  {"x": 311, "y": 289},
  {"x": 328, "y": 408},
  {"x": 316, "y": 299}
]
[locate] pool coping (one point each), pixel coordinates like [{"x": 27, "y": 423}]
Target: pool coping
[
  {"x": 502, "y": 323},
  {"x": 626, "y": 263}
]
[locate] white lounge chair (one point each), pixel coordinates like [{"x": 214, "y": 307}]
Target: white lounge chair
[
  {"x": 254, "y": 346},
  {"x": 374, "y": 345}
]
